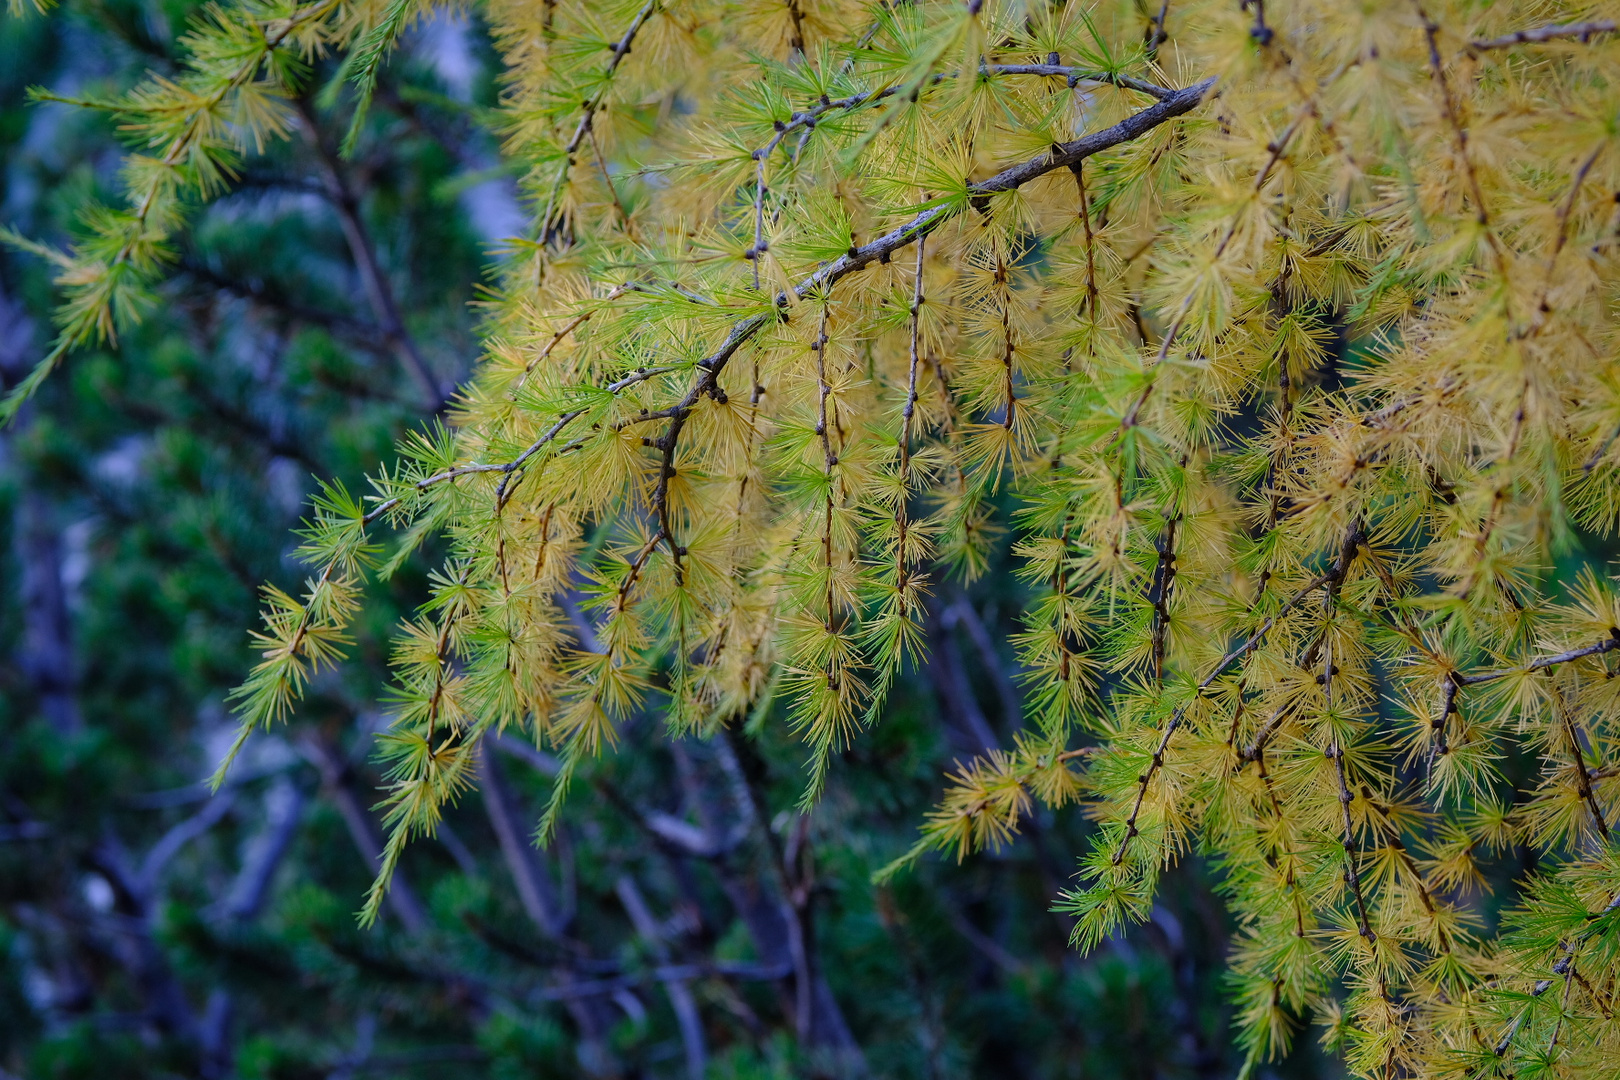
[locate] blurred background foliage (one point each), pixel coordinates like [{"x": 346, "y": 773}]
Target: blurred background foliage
[{"x": 147, "y": 929}]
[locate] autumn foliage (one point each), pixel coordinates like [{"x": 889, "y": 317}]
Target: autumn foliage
[{"x": 1278, "y": 341}]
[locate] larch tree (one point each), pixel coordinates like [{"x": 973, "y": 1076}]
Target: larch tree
[{"x": 1279, "y": 341}]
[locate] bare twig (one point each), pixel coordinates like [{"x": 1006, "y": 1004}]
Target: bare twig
[
  {"x": 902, "y": 557},
  {"x": 567, "y": 328},
  {"x": 1159, "y": 590},
  {"x": 1438, "y": 726},
  {"x": 1459, "y": 133},
  {"x": 1156, "y": 33},
  {"x": 1174, "y": 722},
  {"x": 1257, "y": 745},
  {"x": 1335, "y": 748},
  {"x": 1583, "y": 775},
  {"x": 379, "y": 293},
  {"x": 533, "y": 886},
  {"x": 588, "y": 115},
  {"x": 681, "y": 1002},
  {"x": 1562, "y": 967},
  {"x": 1608, "y": 644},
  {"x": 337, "y": 778},
  {"x": 1277, "y": 148},
  {"x": 173, "y": 841},
  {"x": 1582, "y": 31}
]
